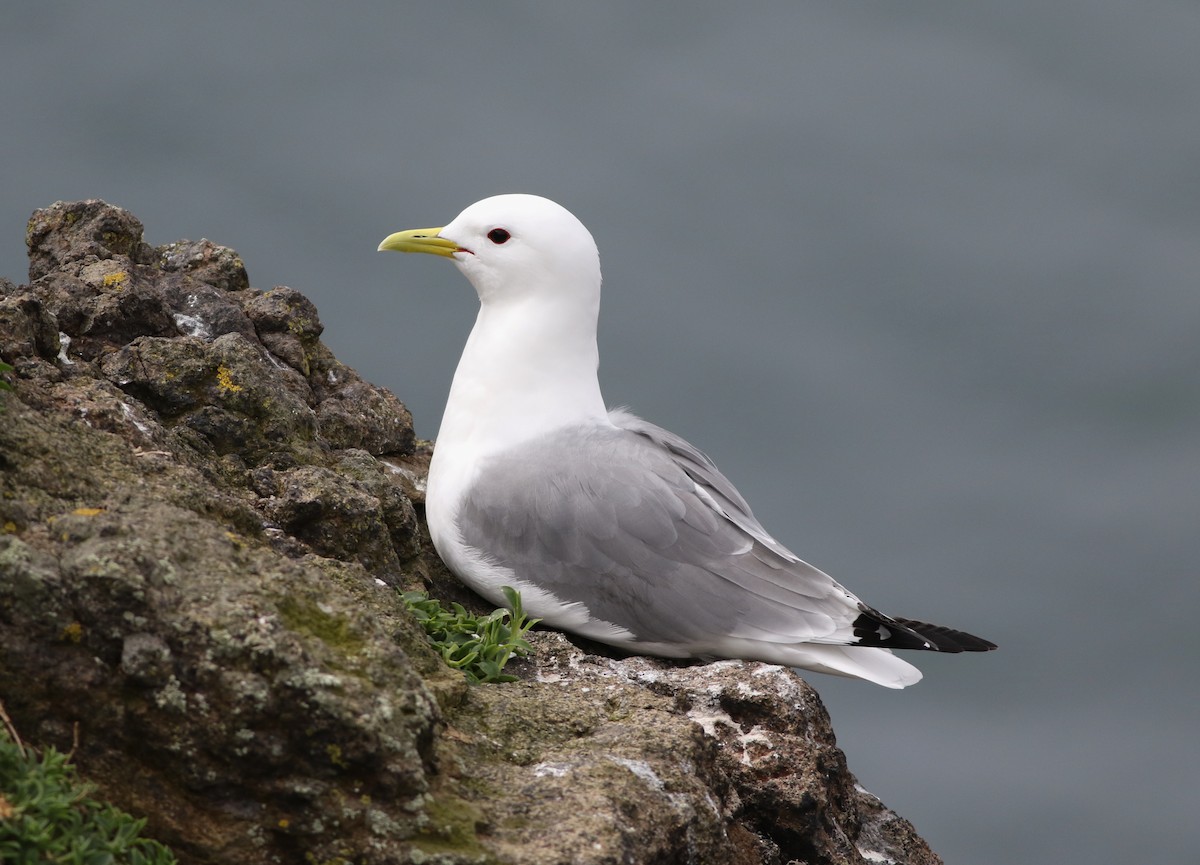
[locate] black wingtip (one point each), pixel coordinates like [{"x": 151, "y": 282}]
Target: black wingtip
[
  {"x": 948, "y": 639},
  {"x": 873, "y": 628}
]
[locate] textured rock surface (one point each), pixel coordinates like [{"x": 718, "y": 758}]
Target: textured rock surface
[{"x": 204, "y": 518}]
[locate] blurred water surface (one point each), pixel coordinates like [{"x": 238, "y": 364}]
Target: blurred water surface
[{"x": 921, "y": 277}]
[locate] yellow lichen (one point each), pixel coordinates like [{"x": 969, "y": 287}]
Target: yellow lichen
[
  {"x": 115, "y": 280},
  {"x": 87, "y": 512},
  {"x": 73, "y": 632},
  {"x": 225, "y": 380},
  {"x": 335, "y": 755}
]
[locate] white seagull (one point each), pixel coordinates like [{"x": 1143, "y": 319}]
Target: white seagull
[{"x": 610, "y": 527}]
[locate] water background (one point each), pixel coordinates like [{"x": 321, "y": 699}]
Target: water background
[{"x": 923, "y": 278}]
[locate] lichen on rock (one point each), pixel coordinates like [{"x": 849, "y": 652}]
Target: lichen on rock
[{"x": 206, "y": 518}]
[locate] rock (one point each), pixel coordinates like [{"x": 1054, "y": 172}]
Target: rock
[
  {"x": 26, "y": 328},
  {"x": 652, "y": 762},
  {"x": 204, "y": 518},
  {"x": 227, "y": 390},
  {"x": 336, "y": 517},
  {"x": 218, "y": 266},
  {"x": 288, "y": 324},
  {"x": 355, "y": 414},
  {"x": 83, "y": 231}
]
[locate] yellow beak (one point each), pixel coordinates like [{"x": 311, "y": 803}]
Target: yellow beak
[{"x": 419, "y": 240}]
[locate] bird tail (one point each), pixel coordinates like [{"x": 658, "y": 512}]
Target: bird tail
[{"x": 874, "y": 665}]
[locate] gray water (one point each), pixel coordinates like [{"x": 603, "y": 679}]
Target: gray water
[{"x": 921, "y": 277}]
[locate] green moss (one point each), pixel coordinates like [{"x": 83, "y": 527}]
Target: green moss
[
  {"x": 306, "y": 617},
  {"x": 449, "y": 827},
  {"x": 46, "y": 815}
]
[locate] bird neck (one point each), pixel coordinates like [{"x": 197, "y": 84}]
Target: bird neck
[{"x": 529, "y": 367}]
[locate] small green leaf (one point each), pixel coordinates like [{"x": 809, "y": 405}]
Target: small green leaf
[
  {"x": 51, "y": 817},
  {"x": 480, "y": 646}
]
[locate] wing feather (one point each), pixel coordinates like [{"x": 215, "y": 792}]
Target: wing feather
[{"x": 642, "y": 529}]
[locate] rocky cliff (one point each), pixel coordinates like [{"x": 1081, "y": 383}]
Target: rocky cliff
[{"x": 205, "y": 520}]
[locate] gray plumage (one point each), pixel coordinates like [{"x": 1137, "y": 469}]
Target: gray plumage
[{"x": 641, "y": 528}]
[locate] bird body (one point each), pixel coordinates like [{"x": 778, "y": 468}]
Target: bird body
[{"x": 609, "y": 526}]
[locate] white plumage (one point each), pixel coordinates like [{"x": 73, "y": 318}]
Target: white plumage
[{"x": 611, "y": 527}]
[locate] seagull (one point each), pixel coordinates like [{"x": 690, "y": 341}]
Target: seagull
[{"x": 610, "y": 527}]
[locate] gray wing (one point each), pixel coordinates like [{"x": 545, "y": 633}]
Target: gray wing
[{"x": 642, "y": 528}]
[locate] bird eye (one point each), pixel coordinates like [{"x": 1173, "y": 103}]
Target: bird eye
[{"x": 498, "y": 235}]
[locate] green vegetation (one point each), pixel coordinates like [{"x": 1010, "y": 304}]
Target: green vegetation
[
  {"x": 479, "y": 646},
  {"x": 46, "y": 815},
  {"x": 5, "y": 367}
]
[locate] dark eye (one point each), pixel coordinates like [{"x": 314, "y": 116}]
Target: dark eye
[{"x": 498, "y": 235}]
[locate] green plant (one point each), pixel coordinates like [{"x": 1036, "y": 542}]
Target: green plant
[
  {"x": 5, "y": 367},
  {"x": 480, "y": 646},
  {"x": 46, "y": 815}
]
